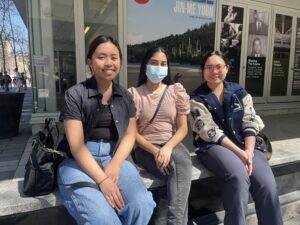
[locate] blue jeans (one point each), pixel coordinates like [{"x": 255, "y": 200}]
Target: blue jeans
[{"x": 89, "y": 207}]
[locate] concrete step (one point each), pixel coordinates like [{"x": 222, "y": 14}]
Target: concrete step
[{"x": 290, "y": 205}]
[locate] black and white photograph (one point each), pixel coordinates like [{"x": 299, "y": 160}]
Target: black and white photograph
[
  {"x": 231, "y": 37},
  {"x": 259, "y": 21},
  {"x": 257, "y": 46},
  {"x": 283, "y": 29}
]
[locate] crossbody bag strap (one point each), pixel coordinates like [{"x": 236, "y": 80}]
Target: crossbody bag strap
[
  {"x": 156, "y": 110},
  {"x": 158, "y": 105},
  {"x": 82, "y": 184}
]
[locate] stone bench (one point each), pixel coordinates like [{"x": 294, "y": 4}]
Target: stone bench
[{"x": 13, "y": 202}]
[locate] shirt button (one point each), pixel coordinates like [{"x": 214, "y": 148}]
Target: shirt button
[
  {"x": 229, "y": 118},
  {"x": 98, "y": 109},
  {"x": 234, "y": 132},
  {"x": 117, "y": 121},
  {"x": 112, "y": 106}
]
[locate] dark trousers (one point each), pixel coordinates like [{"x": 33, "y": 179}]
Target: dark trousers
[
  {"x": 236, "y": 185},
  {"x": 178, "y": 182}
]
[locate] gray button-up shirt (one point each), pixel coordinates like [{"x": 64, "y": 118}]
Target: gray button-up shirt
[{"x": 81, "y": 103}]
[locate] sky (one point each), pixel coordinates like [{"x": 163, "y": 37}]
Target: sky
[
  {"x": 18, "y": 22},
  {"x": 160, "y": 18}
]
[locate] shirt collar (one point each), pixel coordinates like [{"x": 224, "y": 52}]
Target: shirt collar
[{"x": 93, "y": 89}]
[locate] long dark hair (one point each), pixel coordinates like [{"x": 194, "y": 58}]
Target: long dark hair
[
  {"x": 211, "y": 53},
  {"x": 100, "y": 40},
  {"x": 142, "y": 76}
]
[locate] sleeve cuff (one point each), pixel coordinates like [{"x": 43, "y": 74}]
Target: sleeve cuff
[
  {"x": 249, "y": 132},
  {"x": 221, "y": 139}
]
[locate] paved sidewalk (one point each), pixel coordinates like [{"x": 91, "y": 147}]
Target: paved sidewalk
[
  {"x": 11, "y": 149},
  {"x": 293, "y": 220}
]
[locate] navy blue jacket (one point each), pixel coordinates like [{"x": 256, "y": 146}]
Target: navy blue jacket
[{"x": 211, "y": 121}]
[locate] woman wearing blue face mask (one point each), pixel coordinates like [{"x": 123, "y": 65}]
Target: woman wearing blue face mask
[{"x": 159, "y": 148}]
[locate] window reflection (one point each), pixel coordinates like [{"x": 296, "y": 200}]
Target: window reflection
[{"x": 64, "y": 47}]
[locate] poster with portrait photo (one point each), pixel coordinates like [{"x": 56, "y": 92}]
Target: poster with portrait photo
[
  {"x": 256, "y": 61},
  {"x": 231, "y": 38},
  {"x": 257, "y": 46},
  {"x": 259, "y": 22},
  {"x": 257, "y": 51}
]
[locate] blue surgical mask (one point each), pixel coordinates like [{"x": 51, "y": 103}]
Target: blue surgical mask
[{"x": 156, "y": 73}]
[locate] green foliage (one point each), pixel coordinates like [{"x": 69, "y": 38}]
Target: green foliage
[{"x": 186, "y": 48}]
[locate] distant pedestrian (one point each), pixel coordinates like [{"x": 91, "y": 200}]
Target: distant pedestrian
[
  {"x": 2, "y": 81},
  {"x": 6, "y": 80},
  {"x": 18, "y": 80},
  {"x": 23, "y": 81}
]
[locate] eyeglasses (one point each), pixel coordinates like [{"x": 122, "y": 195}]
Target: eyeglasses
[{"x": 218, "y": 67}]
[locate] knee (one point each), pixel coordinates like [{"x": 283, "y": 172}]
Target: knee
[
  {"x": 99, "y": 218},
  {"x": 141, "y": 206},
  {"x": 238, "y": 180},
  {"x": 267, "y": 189}
]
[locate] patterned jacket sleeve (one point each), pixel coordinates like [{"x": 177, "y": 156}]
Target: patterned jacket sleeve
[
  {"x": 252, "y": 123},
  {"x": 202, "y": 123}
]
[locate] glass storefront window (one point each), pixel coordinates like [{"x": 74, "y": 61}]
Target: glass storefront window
[
  {"x": 100, "y": 17},
  {"x": 186, "y": 29},
  {"x": 281, "y": 56},
  {"x": 53, "y": 52},
  {"x": 296, "y": 70}
]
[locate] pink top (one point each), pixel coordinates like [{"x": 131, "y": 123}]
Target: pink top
[{"x": 163, "y": 127}]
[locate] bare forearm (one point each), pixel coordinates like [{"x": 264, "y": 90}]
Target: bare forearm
[
  {"x": 124, "y": 148},
  {"x": 250, "y": 143},
  {"x": 227, "y": 143},
  {"x": 146, "y": 145},
  {"x": 177, "y": 137},
  {"x": 126, "y": 144},
  {"x": 88, "y": 164},
  {"x": 80, "y": 152},
  {"x": 181, "y": 132}
]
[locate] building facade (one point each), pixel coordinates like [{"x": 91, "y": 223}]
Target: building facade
[
  {"x": 11, "y": 62},
  {"x": 260, "y": 38}
]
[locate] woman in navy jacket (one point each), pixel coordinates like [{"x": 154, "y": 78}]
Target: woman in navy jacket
[{"x": 224, "y": 125}]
